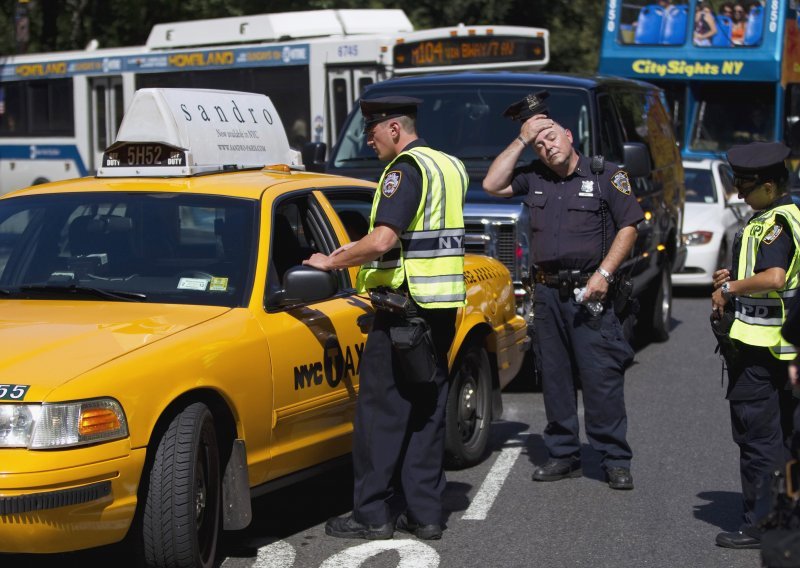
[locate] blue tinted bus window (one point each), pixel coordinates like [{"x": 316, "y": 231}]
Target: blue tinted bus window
[{"x": 724, "y": 116}]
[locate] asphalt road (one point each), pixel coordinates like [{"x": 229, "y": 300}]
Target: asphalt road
[{"x": 685, "y": 470}]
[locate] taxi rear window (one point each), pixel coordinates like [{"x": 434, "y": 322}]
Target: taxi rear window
[{"x": 151, "y": 247}]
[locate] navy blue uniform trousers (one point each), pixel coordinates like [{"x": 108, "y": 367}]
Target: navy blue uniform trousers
[
  {"x": 569, "y": 343},
  {"x": 762, "y": 412},
  {"x": 399, "y": 427}
]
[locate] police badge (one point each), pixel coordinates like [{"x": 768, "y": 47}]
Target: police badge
[
  {"x": 621, "y": 182},
  {"x": 587, "y": 186},
  {"x": 391, "y": 182},
  {"x": 773, "y": 233}
]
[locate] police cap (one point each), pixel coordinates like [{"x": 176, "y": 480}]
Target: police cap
[
  {"x": 383, "y": 108},
  {"x": 759, "y": 161},
  {"x": 527, "y": 107}
]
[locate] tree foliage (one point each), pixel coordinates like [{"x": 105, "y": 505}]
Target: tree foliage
[{"x": 61, "y": 25}]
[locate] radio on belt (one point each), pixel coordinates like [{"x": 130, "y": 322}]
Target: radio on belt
[{"x": 184, "y": 132}]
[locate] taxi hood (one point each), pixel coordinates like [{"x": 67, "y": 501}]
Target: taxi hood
[{"x": 48, "y": 343}]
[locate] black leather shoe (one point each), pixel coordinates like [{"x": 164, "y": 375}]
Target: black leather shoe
[
  {"x": 425, "y": 532},
  {"x": 619, "y": 478},
  {"x": 348, "y": 527},
  {"x": 556, "y": 469},
  {"x": 738, "y": 539}
]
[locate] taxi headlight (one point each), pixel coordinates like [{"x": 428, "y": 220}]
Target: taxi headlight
[
  {"x": 697, "y": 238},
  {"x": 47, "y": 426}
]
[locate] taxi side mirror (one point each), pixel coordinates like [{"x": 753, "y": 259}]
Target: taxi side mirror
[
  {"x": 313, "y": 154},
  {"x": 305, "y": 284},
  {"x": 636, "y": 159}
]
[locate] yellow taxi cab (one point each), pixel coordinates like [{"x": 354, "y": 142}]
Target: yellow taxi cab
[{"x": 166, "y": 357}]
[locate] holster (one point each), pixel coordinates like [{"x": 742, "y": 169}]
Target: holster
[
  {"x": 413, "y": 343},
  {"x": 726, "y": 346},
  {"x": 624, "y": 304}
]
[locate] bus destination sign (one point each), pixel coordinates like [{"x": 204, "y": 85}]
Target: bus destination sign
[{"x": 468, "y": 50}]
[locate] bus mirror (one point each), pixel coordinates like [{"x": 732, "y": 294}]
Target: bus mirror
[
  {"x": 314, "y": 156},
  {"x": 636, "y": 159}
]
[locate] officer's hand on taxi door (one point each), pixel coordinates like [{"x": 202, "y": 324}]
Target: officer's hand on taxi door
[{"x": 318, "y": 260}]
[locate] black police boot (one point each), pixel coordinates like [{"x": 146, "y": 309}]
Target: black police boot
[
  {"x": 556, "y": 469},
  {"x": 425, "y": 532},
  {"x": 739, "y": 539},
  {"x": 348, "y": 527},
  {"x": 619, "y": 478}
]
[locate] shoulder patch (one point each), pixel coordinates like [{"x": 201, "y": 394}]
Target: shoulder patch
[
  {"x": 620, "y": 181},
  {"x": 391, "y": 182},
  {"x": 773, "y": 233}
]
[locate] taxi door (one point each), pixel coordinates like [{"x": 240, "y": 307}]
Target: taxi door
[{"x": 316, "y": 348}]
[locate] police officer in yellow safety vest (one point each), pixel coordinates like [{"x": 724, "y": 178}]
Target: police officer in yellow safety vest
[
  {"x": 760, "y": 287},
  {"x": 414, "y": 249}
]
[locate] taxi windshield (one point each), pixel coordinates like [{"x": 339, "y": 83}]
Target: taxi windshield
[{"x": 151, "y": 247}]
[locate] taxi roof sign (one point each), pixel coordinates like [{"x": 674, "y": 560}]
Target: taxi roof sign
[{"x": 182, "y": 132}]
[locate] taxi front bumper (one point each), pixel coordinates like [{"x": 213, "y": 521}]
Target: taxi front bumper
[{"x": 65, "y": 500}]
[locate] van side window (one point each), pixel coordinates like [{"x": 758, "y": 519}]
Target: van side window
[{"x": 610, "y": 135}]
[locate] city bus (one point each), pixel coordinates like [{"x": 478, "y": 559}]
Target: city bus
[
  {"x": 59, "y": 111},
  {"x": 730, "y": 70}
]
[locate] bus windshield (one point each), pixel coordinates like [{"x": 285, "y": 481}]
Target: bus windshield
[
  {"x": 725, "y": 117},
  {"x": 462, "y": 121}
]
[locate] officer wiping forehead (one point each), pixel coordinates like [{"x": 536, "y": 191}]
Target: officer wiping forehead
[{"x": 582, "y": 226}]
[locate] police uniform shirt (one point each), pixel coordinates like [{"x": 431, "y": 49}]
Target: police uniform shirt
[
  {"x": 566, "y": 229},
  {"x": 777, "y": 246},
  {"x": 402, "y": 192}
]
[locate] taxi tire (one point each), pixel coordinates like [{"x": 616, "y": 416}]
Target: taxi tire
[
  {"x": 182, "y": 510},
  {"x": 468, "y": 415}
]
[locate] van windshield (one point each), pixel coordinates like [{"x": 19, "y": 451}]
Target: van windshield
[{"x": 467, "y": 121}]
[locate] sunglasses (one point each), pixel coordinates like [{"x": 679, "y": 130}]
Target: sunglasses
[{"x": 746, "y": 185}]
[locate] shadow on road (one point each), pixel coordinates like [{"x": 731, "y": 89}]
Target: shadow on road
[{"x": 722, "y": 509}]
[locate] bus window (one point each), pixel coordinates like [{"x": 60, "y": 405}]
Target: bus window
[
  {"x": 651, "y": 22},
  {"x": 339, "y": 101},
  {"x": 725, "y": 115},
  {"x": 675, "y": 100},
  {"x": 792, "y": 124},
  {"x": 38, "y": 108}
]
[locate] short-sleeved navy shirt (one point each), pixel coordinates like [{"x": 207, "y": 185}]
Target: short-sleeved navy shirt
[
  {"x": 566, "y": 225},
  {"x": 402, "y": 192}
]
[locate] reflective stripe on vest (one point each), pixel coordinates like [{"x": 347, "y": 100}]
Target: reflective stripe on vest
[
  {"x": 759, "y": 317},
  {"x": 432, "y": 247}
]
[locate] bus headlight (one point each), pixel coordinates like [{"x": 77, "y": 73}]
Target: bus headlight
[{"x": 48, "y": 426}]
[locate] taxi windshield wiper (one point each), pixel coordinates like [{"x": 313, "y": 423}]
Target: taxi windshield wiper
[{"x": 72, "y": 289}]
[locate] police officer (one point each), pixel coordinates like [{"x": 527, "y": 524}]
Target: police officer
[
  {"x": 414, "y": 247},
  {"x": 582, "y": 226},
  {"x": 759, "y": 287}
]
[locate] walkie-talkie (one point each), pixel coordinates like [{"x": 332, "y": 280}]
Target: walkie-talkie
[{"x": 598, "y": 164}]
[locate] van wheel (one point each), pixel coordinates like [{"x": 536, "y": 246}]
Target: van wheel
[
  {"x": 469, "y": 409},
  {"x": 182, "y": 509},
  {"x": 657, "y": 312}
]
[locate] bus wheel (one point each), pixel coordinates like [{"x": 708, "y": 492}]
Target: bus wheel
[
  {"x": 469, "y": 409},
  {"x": 182, "y": 510}
]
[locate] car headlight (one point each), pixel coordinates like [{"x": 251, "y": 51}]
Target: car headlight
[
  {"x": 65, "y": 424},
  {"x": 697, "y": 238}
]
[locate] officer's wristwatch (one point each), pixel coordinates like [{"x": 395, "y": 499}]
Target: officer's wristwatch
[
  {"x": 726, "y": 290},
  {"x": 605, "y": 274}
]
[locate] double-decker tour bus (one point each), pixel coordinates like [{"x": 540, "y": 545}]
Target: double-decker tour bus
[
  {"x": 730, "y": 69},
  {"x": 58, "y": 111}
]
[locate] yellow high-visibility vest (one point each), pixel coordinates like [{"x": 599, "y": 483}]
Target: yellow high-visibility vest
[
  {"x": 759, "y": 317},
  {"x": 430, "y": 253}
]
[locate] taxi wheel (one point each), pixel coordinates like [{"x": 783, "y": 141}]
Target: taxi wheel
[
  {"x": 469, "y": 409},
  {"x": 182, "y": 511}
]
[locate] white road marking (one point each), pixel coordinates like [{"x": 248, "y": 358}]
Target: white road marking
[
  {"x": 491, "y": 486},
  {"x": 413, "y": 554},
  {"x": 278, "y": 554}
]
